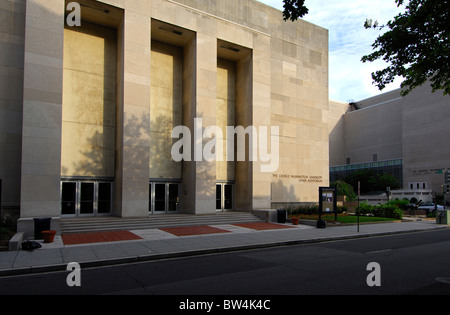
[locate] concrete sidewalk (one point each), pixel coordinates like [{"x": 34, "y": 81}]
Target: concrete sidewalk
[{"x": 157, "y": 244}]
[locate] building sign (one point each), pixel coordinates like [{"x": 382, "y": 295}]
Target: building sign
[{"x": 300, "y": 178}]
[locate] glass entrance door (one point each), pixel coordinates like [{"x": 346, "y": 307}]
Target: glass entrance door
[
  {"x": 160, "y": 198},
  {"x": 224, "y": 197},
  {"x": 83, "y": 199},
  {"x": 104, "y": 200},
  {"x": 86, "y": 199},
  {"x": 228, "y": 197},
  {"x": 68, "y": 199},
  {"x": 164, "y": 198},
  {"x": 173, "y": 198},
  {"x": 219, "y": 197}
]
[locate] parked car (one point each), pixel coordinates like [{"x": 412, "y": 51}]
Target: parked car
[{"x": 430, "y": 207}]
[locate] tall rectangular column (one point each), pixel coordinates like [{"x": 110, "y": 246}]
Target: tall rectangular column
[
  {"x": 244, "y": 117},
  {"x": 42, "y": 109},
  {"x": 199, "y": 102},
  {"x": 261, "y": 117},
  {"x": 133, "y": 113},
  {"x": 206, "y": 110}
]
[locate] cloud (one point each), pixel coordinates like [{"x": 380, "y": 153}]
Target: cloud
[{"x": 350, "y": 79}]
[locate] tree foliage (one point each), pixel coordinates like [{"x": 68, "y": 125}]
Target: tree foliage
[
  {"x": 344, "y": 189},
  {"x": 416, "y": 46},
  {"x": 382, "y": 181},
  {"x": 294, "y": 9},
  {"x": 371, "y": 181}
]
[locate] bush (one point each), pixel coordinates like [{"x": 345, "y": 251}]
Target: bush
[
  {"x": 398, "y": 214},
  {"x": 307, "y": 210},
  {"x": 365, "y": 209},
  {"x": 310, "y": 210},
  {"x": 402, "y": 204},
  {"x": 382, "y": 210},
  {"x": 388, "y": 211},
  {"x": 342, "y": 209},
  {"x": 379, "y": 211}
]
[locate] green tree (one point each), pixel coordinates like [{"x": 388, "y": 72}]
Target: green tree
[
  {"x": 382, "y": 181},
  {"x": 344, "y": 189},
  {"x": 294, "y": 9},
  {"x": 416, "y": 46},
  {"x": 362, "y": 176},
  {"x": 385, "y": 182}
]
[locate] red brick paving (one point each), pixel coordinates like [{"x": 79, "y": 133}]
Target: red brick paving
[
  {"x": 98, "y": 237},
  {"x": 115, "y": 236},
  {"x": 193, "y": 230},
  {"x": 263, "y": 226}
]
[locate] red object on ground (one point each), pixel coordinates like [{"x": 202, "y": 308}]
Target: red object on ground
[
  {"x": 98, "y": 237},
  {"x": 49, "y": 236},
  {"x": 193, "y": 230},
  {"x": 263, "y": 226}
]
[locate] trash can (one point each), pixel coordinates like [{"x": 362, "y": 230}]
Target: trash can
[
  {"x": 321, "y": 224},
  {"x": 443, "y": 217},
  {"x": 281, "y": 215},
  {"x": 41, "y": 224}
]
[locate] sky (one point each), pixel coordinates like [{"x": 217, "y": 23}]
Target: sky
[{"x": 349, "y": 41}]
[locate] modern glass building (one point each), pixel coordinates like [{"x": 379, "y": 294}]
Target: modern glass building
[
  {"x": 404, "y": 136},
  {"x": 391, "y": 167}
]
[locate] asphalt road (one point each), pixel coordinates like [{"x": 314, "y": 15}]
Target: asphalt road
[{"x": 417, "y": 263}]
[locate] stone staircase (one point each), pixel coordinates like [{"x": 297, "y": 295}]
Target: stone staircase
[{"x": 102, "y": 224}]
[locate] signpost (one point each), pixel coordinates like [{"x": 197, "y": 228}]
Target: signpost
[
  {"x": 357, "y": 211},
  {"x": 327, "y": 204},
  {"x": 388, "y": 192},
  {"x": 0, "y": 201},
  {"x": 446, "y": 187}
]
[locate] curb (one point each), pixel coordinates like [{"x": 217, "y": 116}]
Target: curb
[{"x": 208, "y": 251}]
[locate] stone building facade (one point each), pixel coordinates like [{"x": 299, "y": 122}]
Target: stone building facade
[{"x": 88, "y": 112}]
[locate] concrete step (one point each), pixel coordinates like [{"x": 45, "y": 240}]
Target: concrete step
[{"x": 98, "y": 224}]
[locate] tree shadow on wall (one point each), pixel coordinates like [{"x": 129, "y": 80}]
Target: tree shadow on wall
[
  {"x": 101, "y": 155},
  {"x": 161, "y": 162},
  {"x": 148, "y": 149},
  {"x": 286, "y": 193}
]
